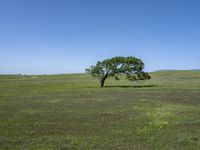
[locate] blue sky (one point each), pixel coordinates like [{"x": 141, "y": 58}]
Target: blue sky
[{"x": 66, "y": 36}]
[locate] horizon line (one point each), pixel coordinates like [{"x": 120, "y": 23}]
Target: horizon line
[{"x": 159, "y": 70}]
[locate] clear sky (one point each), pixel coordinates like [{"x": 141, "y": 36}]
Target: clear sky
[{"x": 66, "y": 36}]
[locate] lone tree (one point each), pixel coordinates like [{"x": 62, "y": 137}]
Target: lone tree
[{"x": 132, "y": 67}]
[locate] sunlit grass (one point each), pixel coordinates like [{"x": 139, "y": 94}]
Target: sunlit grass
[{"x": 72, "y": 112}]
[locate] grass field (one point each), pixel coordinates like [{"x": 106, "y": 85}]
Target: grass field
[{"x": 71, "y": 112}]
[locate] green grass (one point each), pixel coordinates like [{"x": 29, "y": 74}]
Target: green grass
[{"x": 72, "y": 112}]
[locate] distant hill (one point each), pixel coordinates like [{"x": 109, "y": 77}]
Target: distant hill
[
  {"x": 161, "y": 70},
  {"x": 164, "y": 70}
]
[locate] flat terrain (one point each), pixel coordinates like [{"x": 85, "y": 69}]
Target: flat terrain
[{"x": 71, "y": 112}]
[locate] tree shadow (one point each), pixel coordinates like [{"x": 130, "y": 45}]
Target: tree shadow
[{"x": 130, "y": 86}]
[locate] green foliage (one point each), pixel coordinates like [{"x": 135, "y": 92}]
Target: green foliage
[{"x": 130, "y": 66}]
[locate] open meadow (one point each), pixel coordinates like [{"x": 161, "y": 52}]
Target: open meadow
[{"x": 72, "y": 112}]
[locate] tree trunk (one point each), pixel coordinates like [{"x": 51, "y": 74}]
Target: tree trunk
[{"x": 102, "y": 81}]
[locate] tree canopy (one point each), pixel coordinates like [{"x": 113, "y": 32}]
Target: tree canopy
[{"x": 130, "y": 66}]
